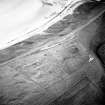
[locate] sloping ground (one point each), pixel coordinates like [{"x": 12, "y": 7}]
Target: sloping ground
[
  {"x": 21, "y": 19},
  {"x": 54, "y": 69}
]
